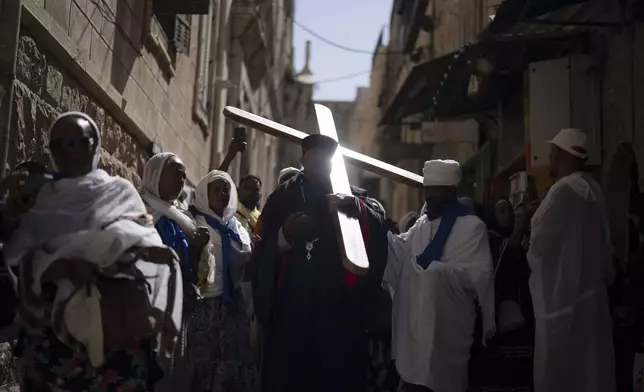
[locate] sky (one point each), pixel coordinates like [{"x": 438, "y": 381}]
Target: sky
[{"x": 354, "y": 24}]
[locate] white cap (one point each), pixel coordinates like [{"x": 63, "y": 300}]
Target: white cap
[
  {"x": 573, "y": 141},
  {"x": 440, "y": 172},
  {"x": 285, "y": 172}
]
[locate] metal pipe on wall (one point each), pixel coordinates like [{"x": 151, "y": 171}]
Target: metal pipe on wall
[
  {"x": 221, "y": 84},
  {"x": 212, "y": 63},
  {"x": 10, "y": 11}
]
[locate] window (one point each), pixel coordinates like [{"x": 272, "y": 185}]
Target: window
[
  {"x": 176, "y": 29},
  {"x": 175, "y": 20}
]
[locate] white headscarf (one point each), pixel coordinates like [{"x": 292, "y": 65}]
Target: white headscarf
[
  {"x": 201, "y": 196},
  {"x": 96, "y": 135},
  {"x": 404, "y": 221},
  {"x": 75, "y": 204},
  {"x": 150, "y": 192}
]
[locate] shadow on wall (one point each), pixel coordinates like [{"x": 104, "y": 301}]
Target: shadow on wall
[{"x": 128, "y": 40}]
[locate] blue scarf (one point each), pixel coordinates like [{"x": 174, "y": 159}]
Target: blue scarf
[
  {"x": 172, "y": 236},
  {"x": 449, "y": 213},
  {"x": 227, "y": 234}
]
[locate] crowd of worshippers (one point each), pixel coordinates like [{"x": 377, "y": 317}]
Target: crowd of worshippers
[{"x": 122, "y": 289}]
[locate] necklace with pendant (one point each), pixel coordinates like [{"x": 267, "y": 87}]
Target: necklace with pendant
[
  {"x": 309, "y": 245},
  {"x": 309, "y": 248}
]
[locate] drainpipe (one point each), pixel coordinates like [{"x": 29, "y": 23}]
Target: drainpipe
[
  {"x": 221, "y": 84},
  {"x": 9, "y": 37},
  {"x": 212, "y": 59}
]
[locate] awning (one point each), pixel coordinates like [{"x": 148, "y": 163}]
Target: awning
[
  {"x": 442, "y": 88},
  {"x": 468, "y": 90},
  {"x": 510, "y": 12},
  {"x": 414, "y": 96}
]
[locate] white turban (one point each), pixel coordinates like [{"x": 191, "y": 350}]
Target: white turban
[{"x": 440, "y": 172}]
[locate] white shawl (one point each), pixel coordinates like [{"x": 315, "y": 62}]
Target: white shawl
[
  {"x": 241, "y": 254},
  {"x": 74, "y": 204},
  {"x": 103, "y": 247},
  {"x": 158, "y": 207},
  {"x": 150, "y": 192},
  {"x": 82, "y": 207}
]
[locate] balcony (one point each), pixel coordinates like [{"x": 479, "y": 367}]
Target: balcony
[{"x": 250, "y": 28}]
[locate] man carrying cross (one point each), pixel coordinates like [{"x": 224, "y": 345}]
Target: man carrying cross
[{"x": 312, "y": 309}]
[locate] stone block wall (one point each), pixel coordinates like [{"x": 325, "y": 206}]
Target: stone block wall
[
  {"x": 127, "y": 70},
  {"x": 43, "y": 91}
]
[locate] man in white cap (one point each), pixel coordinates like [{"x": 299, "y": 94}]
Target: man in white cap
[
  {"x": 570, "y": 256},
  {"x": 286, "y": 174},
  {"x": 438, "y": 271}
]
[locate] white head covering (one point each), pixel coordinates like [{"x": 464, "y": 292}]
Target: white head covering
[
  {"x": 93, "y": 126},
  {"x": 404, "y": 221},
  {"x": 439, "y": 172},
  {"x": 201, "y": 196},
  {"x": 158, "y": 207},
  {"x": 286, "y": 171},
  {"x": 573, "y": 141},
  {"x": 153, "y": 170},
  {"x": 74, "y": 204}
]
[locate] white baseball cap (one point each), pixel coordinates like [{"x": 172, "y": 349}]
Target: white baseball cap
[{"x": 573, "y": 141}]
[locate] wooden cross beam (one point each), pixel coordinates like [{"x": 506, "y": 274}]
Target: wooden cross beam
[
  {"x": 352, "y": 246},
  {"x": 356, "y": 159}
]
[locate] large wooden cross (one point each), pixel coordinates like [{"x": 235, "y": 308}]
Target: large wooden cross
[{"x": 352, "y": 247}]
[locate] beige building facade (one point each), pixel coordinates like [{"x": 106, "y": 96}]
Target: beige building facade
[
  {"x": 155, "y": 74},
  {"x": 419, "y": 33}
]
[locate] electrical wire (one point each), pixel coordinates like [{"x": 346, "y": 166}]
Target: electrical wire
[
  {"x": 344, "y": 77},
  {"x": 332, "y": 43}
]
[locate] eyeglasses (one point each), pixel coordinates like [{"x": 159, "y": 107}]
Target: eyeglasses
[{"x": 59, "y": 145}]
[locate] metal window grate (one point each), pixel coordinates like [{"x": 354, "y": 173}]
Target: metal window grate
[{"x": 182, "y": 30}]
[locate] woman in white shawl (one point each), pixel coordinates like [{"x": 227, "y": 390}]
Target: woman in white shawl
[
  {"x": 231, "y": 367},
  {"x": 163, "y": 180},
  {"x": 81, "y": 225}
]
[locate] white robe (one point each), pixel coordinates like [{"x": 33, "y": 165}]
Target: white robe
[
  {"x": 434, "y": 309},
  {"x": 570, "y": 257}
]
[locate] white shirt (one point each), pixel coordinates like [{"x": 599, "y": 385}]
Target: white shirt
[
  {"x": 434, "y": 308},
  {"x": 240, "y": 257}
]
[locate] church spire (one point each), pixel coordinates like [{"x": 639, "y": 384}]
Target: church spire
[{"x": 306, "y": 76}]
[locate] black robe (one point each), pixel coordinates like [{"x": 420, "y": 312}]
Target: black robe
[{"x": 315, "y": 314}]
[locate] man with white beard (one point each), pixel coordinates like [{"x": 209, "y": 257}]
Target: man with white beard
[
  {"x": 439, "y": 270},
  {"x": 570, "y": 256}
]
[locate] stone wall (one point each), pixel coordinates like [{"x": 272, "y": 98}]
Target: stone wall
[
  {"x": 123, "y": 59},
  {"x": 44, "y": 90}
]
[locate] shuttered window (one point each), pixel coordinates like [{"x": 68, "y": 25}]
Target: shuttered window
[
  {"x": 175, "y": 18},
  {"x": 182, "y": 34}
]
